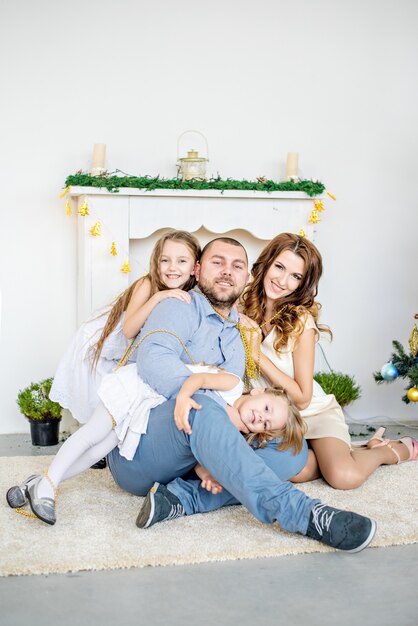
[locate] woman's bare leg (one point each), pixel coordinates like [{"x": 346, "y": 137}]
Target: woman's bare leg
[
  {"x": 343, "y": 468},
  {"x": 309, "y": 472}
]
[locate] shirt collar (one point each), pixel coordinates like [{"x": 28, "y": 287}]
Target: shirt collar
[{"x": 208, "y": 310}]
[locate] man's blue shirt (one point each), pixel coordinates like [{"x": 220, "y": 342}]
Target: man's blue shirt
[{"x": 208, "y": 338}]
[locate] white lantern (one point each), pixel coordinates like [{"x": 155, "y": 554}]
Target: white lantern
[{"x": 192, "y": 167}]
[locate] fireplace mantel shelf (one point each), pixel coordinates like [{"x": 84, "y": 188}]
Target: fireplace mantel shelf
[
  {"x": 136, "y": 214},
  {"x": 190, "y": 193}
]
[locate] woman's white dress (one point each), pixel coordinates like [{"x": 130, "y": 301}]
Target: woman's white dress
[{"x": 323, "y": 417}]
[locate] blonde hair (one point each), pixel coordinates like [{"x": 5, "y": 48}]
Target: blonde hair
[
  {"x": 296, "y": 305},
  {"x": 156, "y": 284},
  {"x": 291, "y": 433}
]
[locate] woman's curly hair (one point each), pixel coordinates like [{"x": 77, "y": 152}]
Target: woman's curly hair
[{"x": 291, "y": 321}]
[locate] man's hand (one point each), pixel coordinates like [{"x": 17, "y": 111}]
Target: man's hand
[
  {"x": 208, "y": 482},
  {"x": 181, "y": 412}
]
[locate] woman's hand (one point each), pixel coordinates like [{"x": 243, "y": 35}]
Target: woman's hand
[
  {"x": 173, "y": 293},
  {"x": 181, "y": 412},
  {"x": 208, "y": 482}
]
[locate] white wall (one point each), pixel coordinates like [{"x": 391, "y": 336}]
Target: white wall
[{"x": 335, "y": 81}]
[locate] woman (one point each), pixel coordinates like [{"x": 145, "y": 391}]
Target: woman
[{"x": 281, "y": 302}]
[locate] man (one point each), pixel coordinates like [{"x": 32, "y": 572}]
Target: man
[{"x": 206, "y": 330}]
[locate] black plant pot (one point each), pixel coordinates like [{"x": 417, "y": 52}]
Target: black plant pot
[{"x": 44, "y": 432}]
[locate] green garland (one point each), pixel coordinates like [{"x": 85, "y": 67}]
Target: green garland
[{"x": 113, "y": 183}]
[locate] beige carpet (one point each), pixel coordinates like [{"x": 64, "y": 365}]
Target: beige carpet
[{"x": 96, "y": 524}]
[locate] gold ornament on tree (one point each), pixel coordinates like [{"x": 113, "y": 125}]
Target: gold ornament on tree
[
  {"x": 413, "y": 342},
  {"x": 64, "y": 193},
  {"x": 68, "y": 208},
  {"x": 331, "y": 195},
  {"x": 113, "y": 249},
  {"x": 96, "y": 230},
  {"x": 126, "y": 268},
  {"x": 302, "y": 233},
  {"x": 412, "y": 394}
]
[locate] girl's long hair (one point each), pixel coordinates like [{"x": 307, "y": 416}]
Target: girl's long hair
[
  {"x": 291, "y": 433},
  {"x": 291, "y": 321},
  {"x": 156, "y": 284}
]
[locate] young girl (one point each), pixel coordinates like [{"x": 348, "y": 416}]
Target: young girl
[
  {"x": 264, "y": 413},
  {"x": 281, "y": 301},
  {"x": 102, "y": 340},
  {"x": 89, "y": 359}
]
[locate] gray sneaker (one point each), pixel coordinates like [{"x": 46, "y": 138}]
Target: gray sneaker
[
  {"x": 342, "y": 530},
  {"x": 160, "y": 505},
  {"x": 44, "y": 508},
  {"x": 16, "y": 495}
]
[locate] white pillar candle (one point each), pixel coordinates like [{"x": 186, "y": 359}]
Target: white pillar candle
[
  {"x": 292, "y": 165},
  {"x": 98, "y": 161}
]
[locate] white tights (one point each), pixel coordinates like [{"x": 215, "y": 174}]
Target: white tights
[{"x": 86, "y": 446}]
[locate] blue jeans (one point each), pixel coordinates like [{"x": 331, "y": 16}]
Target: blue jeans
[
  {"x": 165, "y": 453},
  {"x": 197, "y": 500}
]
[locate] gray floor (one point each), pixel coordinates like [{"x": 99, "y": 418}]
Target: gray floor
[{"x": 376, "y": 587}]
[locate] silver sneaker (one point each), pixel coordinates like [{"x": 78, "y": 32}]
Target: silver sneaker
[
  {"x": 16, "y": 495},
  {"x": 44, "y": 508}
]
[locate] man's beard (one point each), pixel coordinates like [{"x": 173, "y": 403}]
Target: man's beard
[{"x": 219, "y": 300}]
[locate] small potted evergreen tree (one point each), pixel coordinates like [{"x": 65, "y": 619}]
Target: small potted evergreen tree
[
  {"x": 43, "y": 414},
  {"x": 343, "y": 386}
]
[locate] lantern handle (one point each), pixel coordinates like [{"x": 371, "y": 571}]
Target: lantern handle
[{"x": 192, "y": 131}]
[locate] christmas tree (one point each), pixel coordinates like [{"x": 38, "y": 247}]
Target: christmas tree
[{"x": 403, "y": 365}]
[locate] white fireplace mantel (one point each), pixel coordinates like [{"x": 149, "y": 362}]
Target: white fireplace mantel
[{"x": 136, "y": 214}]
